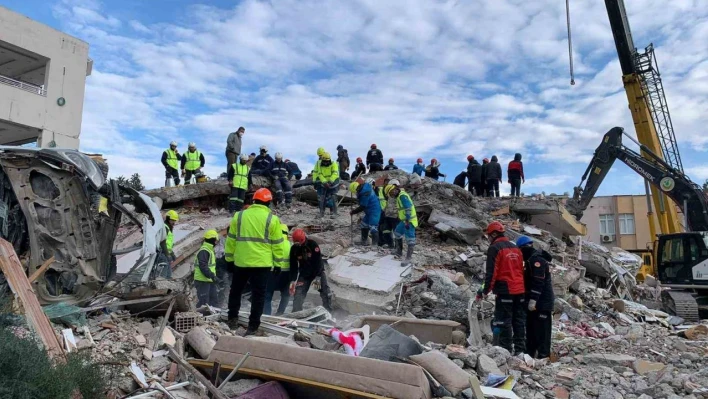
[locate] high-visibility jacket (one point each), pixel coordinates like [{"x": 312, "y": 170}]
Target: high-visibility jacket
[
  {"x": 240, "y": 175},
  {"x": 254, "y": 238},
  {"x": 170, "y": 240},
  {"x": 284, "y": 262},
  {"x": 405, "y": 203},
  {"x": 193, "y": 160},
  {"x": 172, "y": 158},
  {"x": 382, "y": 197},
  {"x": 328, "y": 174},
  {"x": 198, "y": 275},
  {"x": 316, "y": 171}
]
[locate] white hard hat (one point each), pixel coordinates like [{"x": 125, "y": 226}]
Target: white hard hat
[
  {"x": 394, "y": 182},
  {"x": 192, "y": 144},
  {"x": 264, "y": 148},
  {"x": 244, "y": 157},
  {"x": 173, "y": 143},
  {"x": 370, "y": 180},
  {"x": 278, "y": 155}
]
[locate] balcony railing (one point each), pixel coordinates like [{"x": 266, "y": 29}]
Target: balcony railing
[{"x": 23, "y": 86}]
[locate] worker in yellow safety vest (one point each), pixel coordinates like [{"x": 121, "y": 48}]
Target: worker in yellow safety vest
[
  {"x": 238, "y": 175},
  {"x": 279, "y": 279},
  {"x": 253, "y": 246},
  {"x": 167, "y": 245},
  {"x": 408, "y": 221},
  {"x": 192, "y": 163},
  {"x": 170, "y": 160},
  {"x": 328, "y": 178},
  {"x": 205, "y": 279}
]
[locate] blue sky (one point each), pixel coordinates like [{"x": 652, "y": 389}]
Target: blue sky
[{"x": 421, "y": 78}]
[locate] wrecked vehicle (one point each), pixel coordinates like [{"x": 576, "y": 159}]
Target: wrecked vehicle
[{"x": 59, "y": 203}]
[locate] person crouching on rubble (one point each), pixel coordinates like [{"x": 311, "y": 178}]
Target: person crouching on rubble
[
  {"x": 408, "y": 221},
  {"x": 369, "y": 204},
  {"x": 306, "y": 265},
  {"x": 279, "y": 279},
  {"x": 539, "y": 294},
  {"x": 205, "y": 279},
  {"x": 505, "y": 277}
]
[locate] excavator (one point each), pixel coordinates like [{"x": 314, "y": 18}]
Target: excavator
[{"x": 678, "y": 258}]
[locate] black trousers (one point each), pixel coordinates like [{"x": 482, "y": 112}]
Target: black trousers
[
  {"x": 207, "y": 293},
  {"x": 301, "y": 292},
  {"x": 188, "y": 176},
  {"x": 236, "y": 199},
  {"x": 386, "y": 230},
  {"x": 477, "y": 188},
  {"x": 375, "y": 167},
  {"x": 258, "y": 277},
  {"x": 172, "y": 173},
  {"x": 509, "y": 324},
  {"x": 538, "y": 334},
  {"x": 493, "y": 187},
  {"x": 515, "y": 187}
]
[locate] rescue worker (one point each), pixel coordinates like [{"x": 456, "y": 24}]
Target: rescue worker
[
  {"x": 279, "y": 172},
  {"x": 389, "y": 216},
  {"x": 419, "y": 167},
  {"x": 167, "y": 245},
  {"x": 433, "y": 170},
  {"x": 279, "y": 279},
  {"x": 233, "y": 147},
  {"x": 390, "y": 165},
  {"x": 170, "y": 160},
  {"x": 328, "y": 177},
  {"x": 359, "y": 169},
  {"x": 251, "y": 158},
  {"x": 192, "y": 163},
  {"x": 408, "y": 221},
  {"x": 474, "y": 173},
  {"x": 343, "y": 162},
  {"x": 374, "y": 159},
  {"x": 460, "y": 180},
  {"x": 485, "y": 166},
  {"x": 263, "y": 162},
  {"x": 315, "y": 172},
  {"x": 515, "y": 174},
  {"x": 494, "y": 176},
  {"x": 205, "y": 279},
  {"x": 540, "y": 298},
  {"x": 306, "y": 265},
  {"x": 238, "y": 175},
  {"x": 293, "y": 170},
  {"x": 252, "y": 248},
  {"x": 370, "y": 205},
  {"x": 504, "y": 276}
]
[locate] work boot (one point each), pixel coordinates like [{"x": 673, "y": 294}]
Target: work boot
[
  {"x": 399, "y": 247},
  {"x": 167, "y": 182},
  {"x": 233, "y": 324},
  {"x": 374, "y": 238},
  {"x": 364, "y": 237},
  {"x": 334, "y": 210},
  {"x": 409, "y": 254}
]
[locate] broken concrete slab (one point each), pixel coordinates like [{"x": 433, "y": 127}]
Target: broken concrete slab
[
  {"x": 454, "y": 227},
  {"x": 366, "y": 270},
  {"x": 609, "y": 359},
  {"x": 643, "y": 367},
  {"x": 173, "y": 195},
  {"x": 550, "y": 215},
  {"x": 486, "y": 365}
]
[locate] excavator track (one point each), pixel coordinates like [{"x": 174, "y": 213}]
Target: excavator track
[{"x": 681, "y": 303}]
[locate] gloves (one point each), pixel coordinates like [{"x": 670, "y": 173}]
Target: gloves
[{"x": 532, "y": 305}]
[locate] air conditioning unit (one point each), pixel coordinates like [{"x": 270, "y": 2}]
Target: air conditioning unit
[{"x": 608, "y": 238}]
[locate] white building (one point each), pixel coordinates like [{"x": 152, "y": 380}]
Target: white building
[{"x": 42, "y": 80}]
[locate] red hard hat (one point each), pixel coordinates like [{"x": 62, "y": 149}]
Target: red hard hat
[
  {"x": 433, "y": 161},
  {"x": 485, "y": 160},
  {"x": 299, "y": 236},
  {"x": 420, "y": 159},
  {"x": 287, "y": 160},
  {"x": 470, "y": 157},
  {"x": 373, "y": 146},
  {"x": 263, "y": 195},
  {"x": 495, "y": 227},
  {"x": 390, "y": 160},
  {"x": 359, "y": 159}
]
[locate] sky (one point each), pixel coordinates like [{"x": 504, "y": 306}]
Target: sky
[{"x": 427, "y": 78}]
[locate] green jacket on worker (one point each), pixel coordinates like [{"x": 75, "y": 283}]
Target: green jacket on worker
[
  {"x": 170, "y": 239},
  {"x": 211, "y": 264},
  {"x": 172, "y": 158},
  {"x": 316, "y": 171},
  {"x": 254, "y": 239},
  {"x": 328, "y": 174},
  {"x": 240, "y": 175},
  {"x": 406, "y": 209},
  {"x": 382, "y": 198},
  {"x": 284, "y": 262}
]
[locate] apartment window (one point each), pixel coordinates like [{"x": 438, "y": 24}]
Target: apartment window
[
  {"x": 607, "y": 225},
  {"x": 626, "y": 223}
]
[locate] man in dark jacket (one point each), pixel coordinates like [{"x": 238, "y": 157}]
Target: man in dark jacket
[
  {"x": 485, "y": 166},
  {"x": 293, "y": 170},
  {"x": 343, "y": 161},
  {"x": 460, "y": 179},
  {"x": 391, "y": 165},
  {"x": 305, "y": 266},
  {"x": 494, "y": 176},
  {"x": 505, "y": 277},
  {"x": 474, "y": 173},
  {"x": 279, "y": 171},
  {"x": 433, "y": 170},
  {"x": 515, "y": 173},
  {"x": 540, "y": 298},
  {"x": 262, "y": 163},
  {"x": 374, "y": 159},
  {"x": 359, "y": 169}
]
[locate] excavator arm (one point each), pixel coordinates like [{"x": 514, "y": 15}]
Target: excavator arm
[{"x": 687, "y": 195}]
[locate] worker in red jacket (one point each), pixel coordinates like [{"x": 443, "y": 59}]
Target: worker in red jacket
[
  {"x": 505, "y": 277},
  {"x": 515, "y": 172}
]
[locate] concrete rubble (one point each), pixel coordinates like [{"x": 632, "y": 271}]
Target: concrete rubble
[{"x": 609, "y": 340}]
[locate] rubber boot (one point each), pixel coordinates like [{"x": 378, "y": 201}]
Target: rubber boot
[
  {"x": 409, "y": 255},
  {"x": 364, "y": 237},
  {"x": 374, "y": 238},
  {"x": 322, "y": 207},
  {"x": 399, "y": 247},
  {"x": 334, "y": 209}
]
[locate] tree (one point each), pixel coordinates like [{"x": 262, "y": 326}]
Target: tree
[
  {"x": 133, "y": 182},
  {"x": 705, "y": 185}
]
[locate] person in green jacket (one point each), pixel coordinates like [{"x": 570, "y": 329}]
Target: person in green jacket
[
  {"x": 205, "y": 279},
  {"x": 238, "y": 175},
  {"x": 279, "y": 279},
  {"x": 167, "y": 245}
]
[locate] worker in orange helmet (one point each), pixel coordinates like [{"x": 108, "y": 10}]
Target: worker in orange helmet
[
  {"x": 359, "y": 169},
  {"x": 306, "y": 266},
  {"x": 505, "y": 277},
  {"x": 253, "y": 248},
  {"x": 433, "y": 170},
  {"x": 391, "y": 165},
  {"x": 419, "y": 167}
]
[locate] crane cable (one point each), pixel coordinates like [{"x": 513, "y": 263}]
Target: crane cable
[{"x": 570, "y": 42}]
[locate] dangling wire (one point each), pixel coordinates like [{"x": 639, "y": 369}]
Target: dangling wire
[{"x": 570, "y": 42}]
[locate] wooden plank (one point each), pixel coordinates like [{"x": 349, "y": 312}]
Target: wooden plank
[
  {"x": 20, "y": 285},
  {"x": 158, "y": 337},
  {"x": 39, "y": 272},
  {"x": 199, "y": 376}
]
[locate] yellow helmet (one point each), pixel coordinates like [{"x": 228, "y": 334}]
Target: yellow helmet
[
  {"x": 285, "y": 229},
  {"x": 321, "y": 151},
  {"x": 387, "y": 189},
  {"x": 210, "y": 234},
  {"x": 172, "y": 215},
  {"x": 353, "y": 186},
  {"x": 326, "y": 156}
]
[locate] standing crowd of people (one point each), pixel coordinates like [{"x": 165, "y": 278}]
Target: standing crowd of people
[{"x": 483, "y": 179}]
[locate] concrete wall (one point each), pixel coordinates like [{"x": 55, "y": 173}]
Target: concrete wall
[
  {"x": 591, "y": 218},
  {"x": 66, "y": 77},
  {"x": 635, "y": 205}
]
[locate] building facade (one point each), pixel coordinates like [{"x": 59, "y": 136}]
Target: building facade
[{"x": 42, "y": 82}]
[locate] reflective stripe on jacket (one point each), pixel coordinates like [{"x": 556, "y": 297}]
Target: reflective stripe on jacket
[
  {"x": 254, "y": 238},
  {"x": 382, "y": 197},
  {"x": 404, "y": 204},
  {"x": 172, "y": 158},
  {"x": 328, "y": 174},
  {"x": 284, "y": 262},
  {"x": 193, "y": 160},
  {"x": 240, "y": 175},
  {"x": 198, "y": 275}
]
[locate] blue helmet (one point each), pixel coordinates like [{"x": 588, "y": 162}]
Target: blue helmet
[{"x": 523, "y": 240}]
